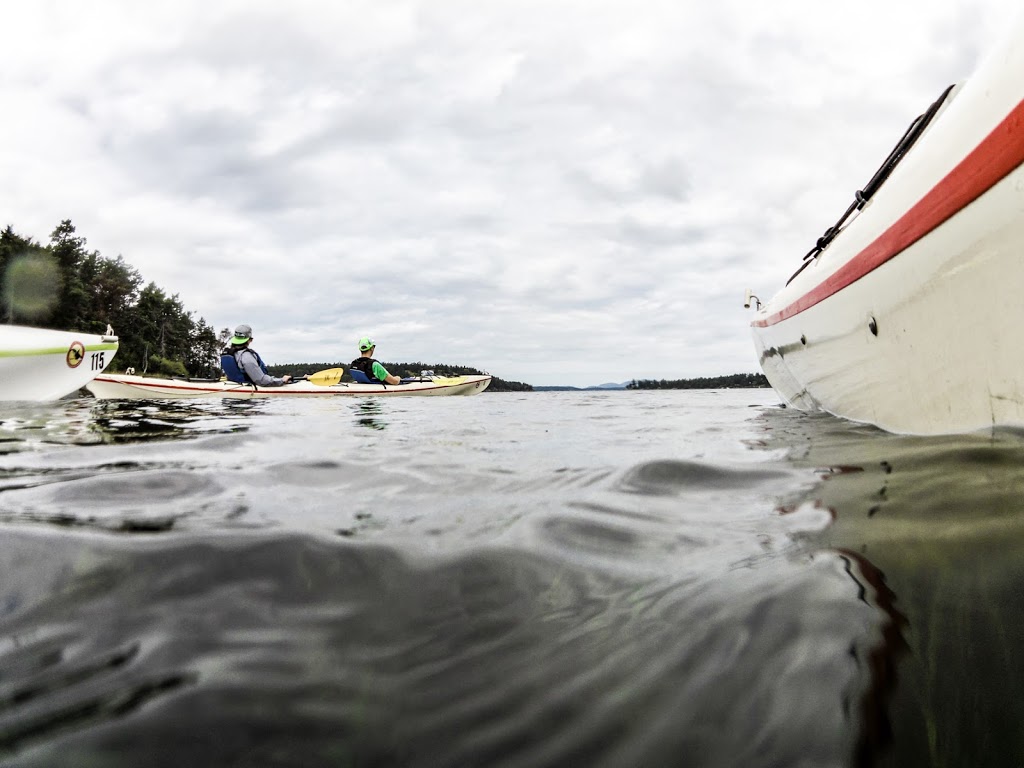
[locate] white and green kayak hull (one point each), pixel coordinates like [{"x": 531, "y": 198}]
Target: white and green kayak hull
[{"x": 39, "y": 364}]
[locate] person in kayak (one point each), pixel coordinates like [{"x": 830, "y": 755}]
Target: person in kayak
[
  {"x": 373, "y": 370},
  {"x": 244, "y": 365}
]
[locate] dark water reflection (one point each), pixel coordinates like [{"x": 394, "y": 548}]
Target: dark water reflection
[
  {"x": 607, "y": 580},
  {"x": 122, "y": 421},
  {"x": 26, "y": 426},
  {"x": 369, "y": 414},
  {"x": 943, "y": 520}
]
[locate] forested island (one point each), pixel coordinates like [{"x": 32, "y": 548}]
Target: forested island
[{"x": 733, "y": 381}]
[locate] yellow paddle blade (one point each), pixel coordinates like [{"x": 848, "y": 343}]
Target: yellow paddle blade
[{"x": 327, "y": 378}]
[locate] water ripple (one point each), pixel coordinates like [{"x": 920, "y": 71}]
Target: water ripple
[{"x": 668, "y": 478}]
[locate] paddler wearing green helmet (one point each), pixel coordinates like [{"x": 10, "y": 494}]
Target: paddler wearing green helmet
[{"x": 373, "y": 370}]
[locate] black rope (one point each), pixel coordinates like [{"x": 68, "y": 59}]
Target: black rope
[{"x": 861, "y": 196}]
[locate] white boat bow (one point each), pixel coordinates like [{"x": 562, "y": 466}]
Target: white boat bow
[
  {"x": 908, "y": 313},
  {"x": 39, "y": 364}
]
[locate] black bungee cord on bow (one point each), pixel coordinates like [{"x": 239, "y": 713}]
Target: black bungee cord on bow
[{"x": 861, "y": 196}]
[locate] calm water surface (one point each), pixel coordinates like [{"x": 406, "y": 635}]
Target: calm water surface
[{"x": 544, "y": 579}]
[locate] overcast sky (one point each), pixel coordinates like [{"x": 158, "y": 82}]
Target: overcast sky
[{"x": 558, "y": 192}]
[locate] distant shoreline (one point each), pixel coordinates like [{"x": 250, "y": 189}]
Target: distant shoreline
[
  {"x": 557, "y": 388},
  {"x": 732, "y": 381}
]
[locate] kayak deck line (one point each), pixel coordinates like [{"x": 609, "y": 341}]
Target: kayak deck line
[{"x": 55, "y": 350}]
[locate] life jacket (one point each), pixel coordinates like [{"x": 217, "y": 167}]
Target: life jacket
[
  {"x": 233, "y": 370},
  {"x": 365, "y": 366}
]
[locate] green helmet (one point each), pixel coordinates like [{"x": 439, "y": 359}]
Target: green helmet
[{"x": 366, "y": 344}]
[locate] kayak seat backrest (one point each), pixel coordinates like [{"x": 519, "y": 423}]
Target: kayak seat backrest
[
  {"x": 359, "y": 377},
  {"x": 231, "y": 370}
]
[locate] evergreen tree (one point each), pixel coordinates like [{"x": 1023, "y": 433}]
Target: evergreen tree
[
  {"x": 203, "y": 356},
  {"x": 69, "y": 251}
]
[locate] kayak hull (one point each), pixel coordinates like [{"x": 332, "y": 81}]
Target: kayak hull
[
  {"x": 117, "y": 386},
  {"x": 39, "y": 364}
]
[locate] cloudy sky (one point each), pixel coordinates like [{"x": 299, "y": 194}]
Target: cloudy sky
[{"x": 557, "y": 191}]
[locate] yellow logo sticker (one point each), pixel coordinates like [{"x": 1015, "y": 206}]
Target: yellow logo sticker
[{"x": 76, "y": 354}]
